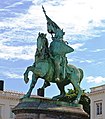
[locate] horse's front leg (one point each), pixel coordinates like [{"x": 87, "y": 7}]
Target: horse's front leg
[
  {"x": 34, "y": 80},
  {"x": 30, "y": 68}
]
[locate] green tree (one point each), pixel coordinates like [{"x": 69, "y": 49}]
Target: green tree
[{"x": 71, "y": 96}]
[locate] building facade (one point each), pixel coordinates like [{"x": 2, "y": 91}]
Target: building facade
[
  {"x": 97, "y": 96},
  {"x": 8, "y": 100}
]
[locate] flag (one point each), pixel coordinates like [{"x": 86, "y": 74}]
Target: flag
[{"x": 52, "y": 27}]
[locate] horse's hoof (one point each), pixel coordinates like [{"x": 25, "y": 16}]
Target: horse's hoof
[
  {"x": 26, "y": 80},
  {"x": 54, "y": 98},
  {"x": 25, "y": 96}
]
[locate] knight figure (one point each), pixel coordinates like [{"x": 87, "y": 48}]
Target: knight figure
[{"x": 58, "y": 47}]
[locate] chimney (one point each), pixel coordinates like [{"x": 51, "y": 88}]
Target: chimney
[{"x": 1, "y": 85}]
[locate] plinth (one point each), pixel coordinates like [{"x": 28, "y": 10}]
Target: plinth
[{"x": 43, "y": 108}]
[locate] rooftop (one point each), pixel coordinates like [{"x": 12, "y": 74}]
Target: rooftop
[
  {"x": 98, "y": 88},
  {"x": 11, "y": 94}
]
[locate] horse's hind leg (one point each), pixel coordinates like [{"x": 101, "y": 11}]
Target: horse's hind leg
[
  {"x": 34, "y": 80},
  {"x": 77, "y": 88},
  {"x": 46, "y": 84},
  {"x": 62, "y": 91}
]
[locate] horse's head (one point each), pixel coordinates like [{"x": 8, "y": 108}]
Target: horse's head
[{"x": 41, "y": 40}]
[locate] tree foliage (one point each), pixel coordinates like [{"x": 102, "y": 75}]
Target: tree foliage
[{"x": 71, "y": 96}]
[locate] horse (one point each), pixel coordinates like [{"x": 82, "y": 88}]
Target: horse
[{"x": 44, "y": 68}]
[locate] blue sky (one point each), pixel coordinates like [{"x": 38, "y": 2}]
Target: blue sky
[{"x": 83, "y": 22}]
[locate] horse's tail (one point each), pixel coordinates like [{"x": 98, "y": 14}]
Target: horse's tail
[{"x": 81, "y": 75}]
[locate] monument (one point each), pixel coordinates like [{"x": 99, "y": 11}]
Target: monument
[{"x": 51, "y": 64}]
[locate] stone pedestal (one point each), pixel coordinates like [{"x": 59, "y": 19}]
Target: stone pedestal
[{"x": 42, "y": 108}]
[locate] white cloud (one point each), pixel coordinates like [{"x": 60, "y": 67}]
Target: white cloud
[
  {"x": 13, "y": 75},
  {"x": 19, "y": 52},
  {"x": 98, "y": 50},
  {"x": 14, "y": 5},
  {"x": 80, "y": 60},
  {"x": 82, "y": 15},
  {"x": 70, "y": 59},
  {"x": 76, "y": 17},
  {"x": 77, "y": 45},
  {"x": 86, "y": 61},
  {"x": 82, "y": 49},
  {"x": 97, "y": 80}
]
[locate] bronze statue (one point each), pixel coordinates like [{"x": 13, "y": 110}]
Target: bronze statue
[{"x": 51, "y": 63}]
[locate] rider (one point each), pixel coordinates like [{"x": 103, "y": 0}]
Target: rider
[{"x": 58, "y": 48}]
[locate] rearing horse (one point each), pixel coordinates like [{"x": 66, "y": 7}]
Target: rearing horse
[{"x": 44, "y": 68}]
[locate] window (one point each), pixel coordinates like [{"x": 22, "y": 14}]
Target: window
[{"x": 99, "y": 108}]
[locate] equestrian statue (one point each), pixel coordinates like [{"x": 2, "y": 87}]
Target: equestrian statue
[{"x": 51, "y": 63}]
